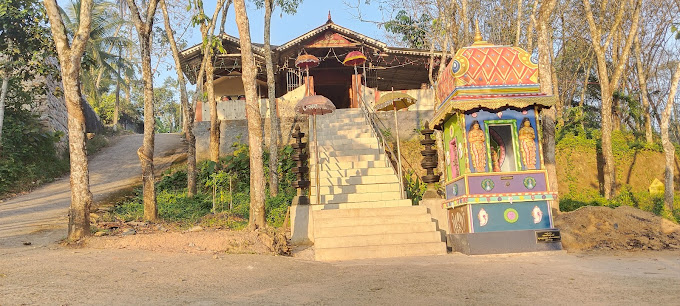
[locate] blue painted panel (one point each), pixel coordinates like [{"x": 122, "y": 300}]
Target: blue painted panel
[
  {"x": 496, "y": 220},
  {"x": 455, "y": 189}
]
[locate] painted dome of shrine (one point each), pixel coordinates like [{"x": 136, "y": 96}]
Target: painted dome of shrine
[
  {"x": 484, "y": 75},
  {"x": 486, "y": 65}
]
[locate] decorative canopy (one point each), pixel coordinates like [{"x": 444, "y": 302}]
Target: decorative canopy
[
  {"x": 394, "y": 101},
  {"x": 306, "y": 61},
  {"x": 354, "y": 58},
  {"x": 314, "y": 105}
]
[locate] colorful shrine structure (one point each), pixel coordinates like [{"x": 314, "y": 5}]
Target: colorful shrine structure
[{"x": 497, "y": 191}]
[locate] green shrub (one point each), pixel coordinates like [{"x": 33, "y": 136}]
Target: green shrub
[{"x": 28, "y": 156}]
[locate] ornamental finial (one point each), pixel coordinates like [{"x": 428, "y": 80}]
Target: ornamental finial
[{"x": 478, "y": 34}]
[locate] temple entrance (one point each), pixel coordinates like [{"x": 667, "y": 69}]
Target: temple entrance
[
  {"x": 334, "y": 83},
  {"x": 337, "y": 93}
]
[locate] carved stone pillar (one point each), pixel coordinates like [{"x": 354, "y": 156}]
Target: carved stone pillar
[
  {"x": 429, "y": 162},
  {"x": 300, "y": 157}
]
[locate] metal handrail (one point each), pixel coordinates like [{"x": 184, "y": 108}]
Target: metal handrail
[
  {"x": 369, "y": 115},
  {"x": 406, "y": 165}
]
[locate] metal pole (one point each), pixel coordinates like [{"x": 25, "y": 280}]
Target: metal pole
[
  {"x": 396, "y": 124},
  {"x": 316, "y": 145}
]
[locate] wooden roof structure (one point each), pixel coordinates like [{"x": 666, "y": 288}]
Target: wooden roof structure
[{"x": 386, "y": 67}]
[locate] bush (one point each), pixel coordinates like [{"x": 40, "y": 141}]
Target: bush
[
  {"x": 28, "y": 156},
  {"x": 175, "y": 206}
]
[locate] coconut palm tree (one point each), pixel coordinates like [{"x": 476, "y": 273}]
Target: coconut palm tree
[{"x": 101, "y": 61}]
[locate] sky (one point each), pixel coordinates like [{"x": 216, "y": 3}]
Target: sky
[{"x": 310, "y": 14}]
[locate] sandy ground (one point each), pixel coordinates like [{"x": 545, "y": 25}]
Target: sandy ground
[
  {"x": 113, "y": 170},
  {"x": 56, "y": 275}
]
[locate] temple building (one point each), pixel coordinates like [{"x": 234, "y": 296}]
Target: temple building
[{"x": 386, "y": 69}]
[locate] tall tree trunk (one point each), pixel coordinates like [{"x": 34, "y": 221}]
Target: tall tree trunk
[
  {"x": 145, "y": 152},
  {"x": 214, "y": 119},
  {"x": 207, "y": 33},
  {"x": 188, "y": 112},
  {"x": 3, "y": 96},
  {"x": 271, "y": 93},
  {"x": 548, "y": 115},
  {"x": 224, "y": 15},
  {"x": 642, "y": 79},
  {"x": 466, "y": 22},
  {"x": 69, "y": 59},
  {"x": 430, "y": 66},
  {"x": 608, "y": 85},
  {"x": 518, "y": 30},
  {"x": 257, "y": 212},
  {"x": 668, "y": 148},
  {"x": 116, "y": 107},
  {"x": 531, "y": 27}
]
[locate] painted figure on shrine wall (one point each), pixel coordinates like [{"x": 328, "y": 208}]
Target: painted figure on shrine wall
[
  {"x": 477, "y": 147},
  {"x": 527, "y": 142}
]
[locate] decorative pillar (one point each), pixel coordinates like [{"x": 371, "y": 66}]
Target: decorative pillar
[
  {"x": 429, "y": 162},
  {"x": 300, "y": 157}
]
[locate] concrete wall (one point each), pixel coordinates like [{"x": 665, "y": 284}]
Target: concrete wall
[
  {"x": 232, "y": 131},
  {"x": 231, "y": 103},
  {"x": 425, "y": 100},
  {"x": 410, "y": 122}
]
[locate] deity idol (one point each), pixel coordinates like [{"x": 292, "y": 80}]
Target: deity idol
[
  {"x": 477, "y": 147},
  {"x": 527, "y": 142}
]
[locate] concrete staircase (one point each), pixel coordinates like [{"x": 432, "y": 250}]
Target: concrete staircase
[{"x": 361, "y": 212}]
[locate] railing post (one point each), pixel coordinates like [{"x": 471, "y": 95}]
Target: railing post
[
  {"x": 429, "y": 162},
  {"x": 301, "y": 169}
]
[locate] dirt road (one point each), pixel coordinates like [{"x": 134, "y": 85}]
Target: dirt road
[
  {"x": 113, "y": 170},
  {"x": 60, "y": 276}
]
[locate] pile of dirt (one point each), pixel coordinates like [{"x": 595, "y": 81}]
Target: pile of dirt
[
  {"x": 623, "y": 228},
  {"x": 141, "y": 236}
]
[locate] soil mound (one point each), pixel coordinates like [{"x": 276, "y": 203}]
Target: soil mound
[
  {"x": 623, "y": 228},
  {"x": 195, "y": 240}
]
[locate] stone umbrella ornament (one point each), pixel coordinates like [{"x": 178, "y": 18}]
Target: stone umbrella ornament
[
  {"x": 315, "y": 105},
  {"x": 306, "y": 61},
  {"x": 395, "y": 101},
  {"x": 355, "y": 58}
]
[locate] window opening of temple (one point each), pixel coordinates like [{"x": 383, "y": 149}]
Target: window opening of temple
[{"x": 503, "y": 152}]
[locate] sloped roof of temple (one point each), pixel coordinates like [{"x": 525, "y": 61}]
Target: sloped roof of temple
[
  {"x": 484, "y": 75},
  {"x": 401, "y": 68}
]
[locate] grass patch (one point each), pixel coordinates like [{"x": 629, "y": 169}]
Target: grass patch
[{"x": 227, "y": 182}]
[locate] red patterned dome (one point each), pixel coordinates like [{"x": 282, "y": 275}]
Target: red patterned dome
[{"x": 489, "y": 68}]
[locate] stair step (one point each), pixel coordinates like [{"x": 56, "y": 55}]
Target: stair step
[
  {"x": 374, "y": 220},
  {"x": 371, "y": 212},
  {"x": 361, "y": 205},
  {"x": 352, "y": 172},
  {"x": 343, "y": 231},
  {"x": 353, "y": 165},
  {"x": 347, "y": 132},
  {"x": 357, "y": 197},
  {"x": 354, "y": 158},
  {"x": 357, "y": 180},
  {"x": 338, "y": 142},
  {"x": 377, "y": 240},
  {"x": 361, "y": 188},
  {"x": 351, "y": 146},
  {"x": 381, "y": 251}
]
